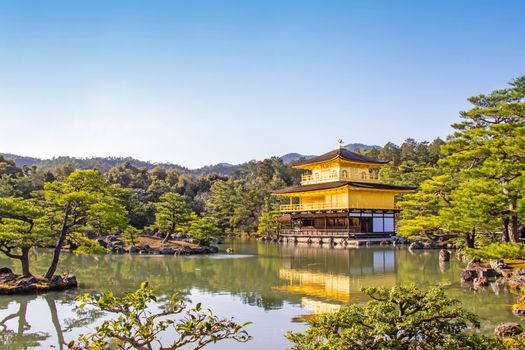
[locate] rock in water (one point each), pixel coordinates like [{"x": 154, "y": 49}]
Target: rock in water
[
  {"x": 480, "y": 282},
  {"x": 508, "y": 329},
  {"x": 5, "y": 270},
  {"x": 55, "y": 281},
  {"x": 429, "y": 245},
  {"x": 212, "y": 249},
  {"x": 467, "y": 275},
  {"x": 167, "y": 250},
  {"x": 7, "y": 277},
  {"x": 415, "y": 245},
  {"x": 474, "y": 264},
  {"x": 444, "y": 255}
]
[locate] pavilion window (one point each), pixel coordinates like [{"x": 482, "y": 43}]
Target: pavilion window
[
  {"x": 377, "y": 224},
  {"x": 389, "y": 224},
  {"x": 363, "y": 175},
  {"x": 344, "y": 174}
]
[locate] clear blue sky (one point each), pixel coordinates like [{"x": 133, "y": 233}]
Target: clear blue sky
[{"x": 201, "y": 82}]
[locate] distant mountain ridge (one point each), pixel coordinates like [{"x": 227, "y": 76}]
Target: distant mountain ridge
[
  {"x": 22, "y": 160},
  {"x": 105, "y": 163}
]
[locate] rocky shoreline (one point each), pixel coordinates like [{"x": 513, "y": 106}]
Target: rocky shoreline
[
  {"x": 146, "y": 245},
  {"x": 497, "y": 273},
  {"x": 11, "y": 283}
]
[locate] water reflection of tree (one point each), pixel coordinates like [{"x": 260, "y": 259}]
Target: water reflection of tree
[
  {"x": 252, "y": 279},
  {"x": 423, "y": 269},
  {"x": 19, "y": 338},
  {"x": 55, "y": 320}
]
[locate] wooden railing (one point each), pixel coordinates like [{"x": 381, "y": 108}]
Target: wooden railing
[
  {"x": 313, "y": 232},
  {"x": 313, "y": 206},
  {"x": 328, "y": 177}
]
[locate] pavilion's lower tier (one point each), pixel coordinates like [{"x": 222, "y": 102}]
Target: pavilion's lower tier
[{"x": 351, "y": 223}]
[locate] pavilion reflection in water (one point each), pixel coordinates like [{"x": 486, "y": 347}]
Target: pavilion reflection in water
[{"x": 351, "y": 269}]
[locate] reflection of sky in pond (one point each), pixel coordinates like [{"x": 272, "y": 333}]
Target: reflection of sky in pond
[
  {"x": 274, "y": 286},
  {"x": 223, "y": 256}
]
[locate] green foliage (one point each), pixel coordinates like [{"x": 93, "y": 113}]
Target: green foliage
[
  {"x": 172, "y": 213},
  {"x": 501, "y": 250},
  {"x": 268, "y": 222},
  {"x": 477, "y": 187},
  {"x": 18, "y": 182},
  {"x": 203, "y": 229},
  {"x": 410, "y": 164},
  {"x": 80, "y": 244},
  {"x": 237, "y": 203},
  {"x": 92, "y": 203},
  {"x": 107, "y": 216},
  {"x": 84, "y": 201},
  {"x": 404, "y": 317},
  {"x": 131, "y": 234},
  {"x": 136, "y": 327},
  {"x": 221, "y": 203},
  {"x": 21, "y": 228}
]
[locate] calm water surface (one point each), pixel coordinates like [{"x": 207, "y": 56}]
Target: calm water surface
[{"x": 274, "y": 286}]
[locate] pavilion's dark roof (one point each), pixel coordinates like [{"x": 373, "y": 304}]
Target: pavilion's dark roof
[
  {"x": 337, "y": 184},
  {"x": 313, "y": 187},
  {"x": 342, "y": 153},
  {"x": 380, "y": 186}
]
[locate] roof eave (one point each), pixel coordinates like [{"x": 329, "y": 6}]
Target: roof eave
[{"x": 306, "y": 163}]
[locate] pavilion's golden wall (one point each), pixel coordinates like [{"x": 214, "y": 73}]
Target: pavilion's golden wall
[
  {"x": 371, "y": 199},
  {"x": 349, "y": 198}
]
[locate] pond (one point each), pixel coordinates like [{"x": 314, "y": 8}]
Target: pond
[{"x": 275, "y": 286}]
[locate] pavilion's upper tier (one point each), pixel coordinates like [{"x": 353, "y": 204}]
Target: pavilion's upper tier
[
  {"x": 339, "y": 165},
  {"x": 339, "y": 153}
]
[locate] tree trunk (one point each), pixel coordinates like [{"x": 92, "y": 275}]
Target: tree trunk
[
  {"x": 168, "y": 235},
  {"x": 512, "y": 231},
  {"x": 513, "y": 222},
  {"x": 58, "y": 248},
  {"x": 470, "y": 238},
  {"x": 24, "y": 259},
  {"x": 505, "y": 232}
]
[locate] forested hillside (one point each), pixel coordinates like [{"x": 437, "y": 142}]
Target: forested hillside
[{"x": 236, "y": 200}]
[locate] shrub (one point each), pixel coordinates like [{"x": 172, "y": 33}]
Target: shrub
[
  {"x": 138, "y": 328},
  {"x": 403, "y": 317}
]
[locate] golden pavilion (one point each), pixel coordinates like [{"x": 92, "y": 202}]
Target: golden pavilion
[{"x": 341, "y": 197}]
